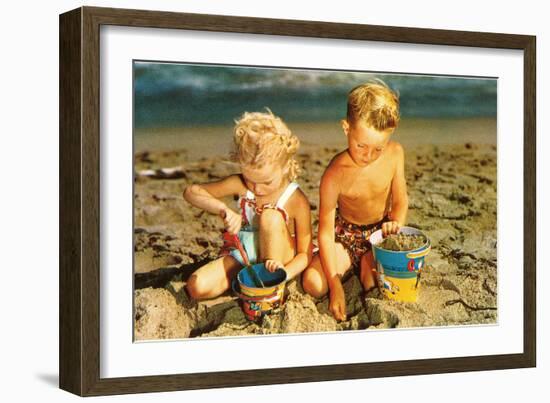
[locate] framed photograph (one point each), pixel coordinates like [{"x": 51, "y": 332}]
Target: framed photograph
[{"x": 196, "y": 157}]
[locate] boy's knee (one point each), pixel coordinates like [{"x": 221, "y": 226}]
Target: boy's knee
[
  {"x": 271, "y": 218},
  {"x": 313, "y": 284},
  {"x": 196, "y": 287},
  {"x": 368, "y": 271},
  {"x": 368, "y": 260}
]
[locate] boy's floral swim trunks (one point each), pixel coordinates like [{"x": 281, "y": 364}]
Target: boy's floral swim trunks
[{"x": 354, "y": 237}]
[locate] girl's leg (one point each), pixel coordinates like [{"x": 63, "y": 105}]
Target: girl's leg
[
  {"x": 314, "y": 280},
  {"x": 368, "y": 269},
  {"x": 275, "y": 240},
  {"x": 213, "y": 279}
]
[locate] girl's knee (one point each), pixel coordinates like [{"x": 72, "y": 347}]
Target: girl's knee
[
  {"x": 271, "y": 219},
  {"x": 313, "y": 284},
  {"x": 196, "y": 287}
]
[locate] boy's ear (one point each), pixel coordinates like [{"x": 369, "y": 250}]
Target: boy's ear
[{"x": 345, "y": 126}]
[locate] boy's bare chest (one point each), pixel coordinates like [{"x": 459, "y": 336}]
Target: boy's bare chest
[{"x": 365, "y": 185}]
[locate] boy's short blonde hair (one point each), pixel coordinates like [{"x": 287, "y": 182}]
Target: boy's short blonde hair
[
  {"x": 375, "y": 104},
  {"x": 261, "y": 138}
]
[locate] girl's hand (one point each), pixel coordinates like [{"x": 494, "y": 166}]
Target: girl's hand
[
  {"x": 231, "y": 220},
  {"x": 390, "y": 227},
  {"x": 272, "y": 265}
]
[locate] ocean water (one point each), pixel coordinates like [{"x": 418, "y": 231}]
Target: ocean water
[{"x": 170, "y": 95}]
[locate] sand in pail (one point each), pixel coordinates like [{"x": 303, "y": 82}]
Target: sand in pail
[
  {"x": 259, "y": 301},
  {"x": 399, "y": 271}
]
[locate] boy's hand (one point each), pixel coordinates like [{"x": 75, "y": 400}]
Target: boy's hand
[
  {"x": 272, "y": 265},
  {"x": 337, "y": 300},
  {"x": 231, "y": 220},
  {"x": 390, "y": 227}
]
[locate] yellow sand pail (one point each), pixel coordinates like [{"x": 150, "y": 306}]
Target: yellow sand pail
[
  {"x": 399, "y": 271},
  {"x": 259, "y": 301}
]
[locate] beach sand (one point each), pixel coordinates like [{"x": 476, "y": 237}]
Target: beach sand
[{"x": 452, "y": 186}]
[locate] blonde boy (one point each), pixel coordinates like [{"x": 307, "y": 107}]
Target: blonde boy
[{"x": 363, "y": 189}]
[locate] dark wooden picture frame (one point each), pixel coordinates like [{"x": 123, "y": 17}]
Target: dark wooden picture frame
[{"x": 79, "y": 347}]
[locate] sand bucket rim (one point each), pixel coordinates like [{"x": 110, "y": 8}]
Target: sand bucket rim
[
  {"x": 261, "y": 289},
  {"x": 427, "y": 244}
]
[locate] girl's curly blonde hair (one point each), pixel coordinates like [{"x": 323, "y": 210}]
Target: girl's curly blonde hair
[{"x": 262, "y": 138}]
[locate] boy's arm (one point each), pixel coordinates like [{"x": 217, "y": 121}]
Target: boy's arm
[
  {"x": 328, "y": 193},
  {"x": 206, "y": 196},
  {"x": 400, "y": 199}
]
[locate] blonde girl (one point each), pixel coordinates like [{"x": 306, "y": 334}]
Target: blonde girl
[{"x": 272, "y": 217}]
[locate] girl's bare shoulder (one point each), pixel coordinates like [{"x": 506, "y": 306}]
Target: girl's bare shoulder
[{"x": 298, "y": 203}]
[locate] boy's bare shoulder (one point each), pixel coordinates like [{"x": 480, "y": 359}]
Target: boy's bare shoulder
[
  {"x": 395, "y": 149},
  {"x": 339, "y": 162},
  {"x": 342, "y": 158}
]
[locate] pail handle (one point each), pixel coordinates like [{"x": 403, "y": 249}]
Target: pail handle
[{"x": 416, "y": 255}]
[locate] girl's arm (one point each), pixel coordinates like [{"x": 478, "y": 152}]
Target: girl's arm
[
  {"x": 206, "y": 197},
  {"x": 303, "y": 234}
]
